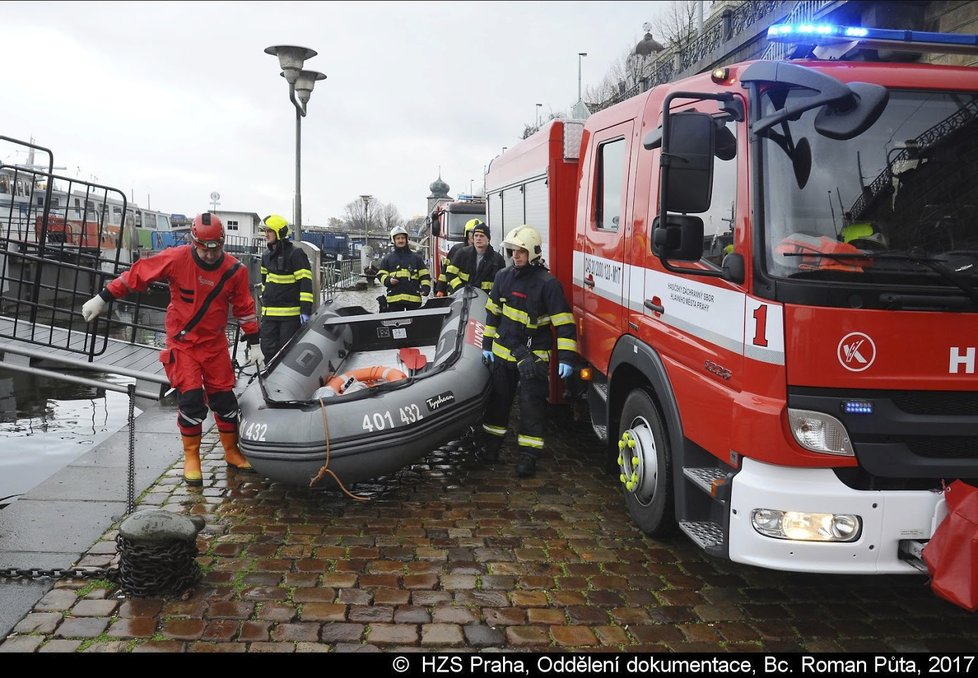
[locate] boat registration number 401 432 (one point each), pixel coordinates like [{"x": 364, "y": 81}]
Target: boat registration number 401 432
[{"x": 378, "y": 421}]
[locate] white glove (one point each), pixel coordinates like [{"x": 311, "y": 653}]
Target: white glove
[
  {"x": 93, "y": 308},
  {"x": 255, "y": 356}
]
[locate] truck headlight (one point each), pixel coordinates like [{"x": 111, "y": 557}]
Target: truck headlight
[
  {"x": 802, "y": 526},
  {"x": 820, "y": 432}
]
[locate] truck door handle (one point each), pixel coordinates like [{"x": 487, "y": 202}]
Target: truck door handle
[
  {"x": 589, "y": 281},
  {"x": 658, "y": 308}
]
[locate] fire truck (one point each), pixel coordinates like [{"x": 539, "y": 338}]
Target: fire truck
[
  {"x": 447, "y": 223},
  {"x": 774, "y": 274}
]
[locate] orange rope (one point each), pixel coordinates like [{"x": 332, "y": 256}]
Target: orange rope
[{"x": 325, "y": 468}]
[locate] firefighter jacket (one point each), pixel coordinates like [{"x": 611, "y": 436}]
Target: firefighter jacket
[
  {"x": 462, "y": 269},
  {"x": 442, "y": 284},
  {"x": 413, "y": 279},
  {"x": 191, "y": 287},
  {"x": 286, "y": 282},
  {"x": 523, "y": 305}
]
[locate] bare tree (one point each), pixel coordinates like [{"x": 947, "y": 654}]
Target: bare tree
[{"x": 389, "y": 216}]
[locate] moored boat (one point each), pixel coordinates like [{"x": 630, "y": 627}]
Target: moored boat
[{"x": 366, "y": 394}]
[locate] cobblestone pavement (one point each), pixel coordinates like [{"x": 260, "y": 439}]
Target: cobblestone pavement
[{"x": 453, "y": 555}]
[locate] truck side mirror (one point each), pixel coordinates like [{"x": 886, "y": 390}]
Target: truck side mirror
[
  {"x": 434, "y": 226},
  {"x": 687, "y": 161},
  {"x": 681, "y": 238}
]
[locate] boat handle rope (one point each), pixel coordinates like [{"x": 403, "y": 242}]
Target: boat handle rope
[{"x": 325, "y": 467}]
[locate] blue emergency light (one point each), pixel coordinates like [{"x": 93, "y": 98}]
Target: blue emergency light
[
  {"x": 857, "y": 407},
  {"x": 884, "y": 38}
]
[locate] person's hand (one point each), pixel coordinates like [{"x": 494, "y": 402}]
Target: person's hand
[
  {"x": 303, "y": 318},
  {"x": 391, "y": 281},
  {"x": 255, "y": 356},
  {"x": 439, "y": 294},
  {"x": 564, "y": 370},
  {"x": 488, "y": 357},
  {"x": 93, "y": 308}
]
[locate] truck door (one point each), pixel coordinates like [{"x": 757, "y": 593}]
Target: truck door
[
  {"x": 607, "y": 213},
  {"x": 696, "y": 323}
]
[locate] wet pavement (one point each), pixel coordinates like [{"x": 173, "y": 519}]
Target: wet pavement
[{"x": 452, "y": 555}]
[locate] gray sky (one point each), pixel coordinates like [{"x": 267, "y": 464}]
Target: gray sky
[{"x": 169, "y": 101}]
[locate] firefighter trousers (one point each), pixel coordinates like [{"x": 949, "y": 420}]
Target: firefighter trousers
[
  {"x": 506, "y": 382},
  {"x": 275, "y": 333}
]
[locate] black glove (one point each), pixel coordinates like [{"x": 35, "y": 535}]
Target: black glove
[
  {"x": 250, "y": 339},
  {"x": 526, "y": 362}
]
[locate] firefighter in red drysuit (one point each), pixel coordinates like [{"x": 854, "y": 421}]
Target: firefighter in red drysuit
[{"x": 196, "y": 358}]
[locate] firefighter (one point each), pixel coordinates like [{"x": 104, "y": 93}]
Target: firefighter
[
  {"x": 205, "y": 283},
  {"x": 524, "y": 304},
  {"x": 286, "y": 278},
  {"x": 441, "y": 287},
  {"x": 476, "y": 264},
  {"x": 404, "y": 274}
]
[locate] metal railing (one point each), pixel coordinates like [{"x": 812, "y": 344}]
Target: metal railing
[{"x": 715, "y": 42}]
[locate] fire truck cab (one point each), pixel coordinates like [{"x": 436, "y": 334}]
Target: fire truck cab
[{"x": 775, "y": 282}]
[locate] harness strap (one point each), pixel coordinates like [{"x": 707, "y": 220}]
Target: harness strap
[{"x": 208, "y": 301}]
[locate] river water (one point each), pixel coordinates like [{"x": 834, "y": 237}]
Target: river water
[{"x": 45, "y": 424}]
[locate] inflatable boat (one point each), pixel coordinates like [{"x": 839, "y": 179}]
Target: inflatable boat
[{"x": 356, "y": 395}]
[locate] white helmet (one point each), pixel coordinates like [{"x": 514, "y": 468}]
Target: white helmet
[
  {"x": 526, "y": 238},
  {"x": 398, "y": 230}
]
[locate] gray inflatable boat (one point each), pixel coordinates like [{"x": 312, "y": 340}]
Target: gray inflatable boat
[{"x": 356, "y": 395}]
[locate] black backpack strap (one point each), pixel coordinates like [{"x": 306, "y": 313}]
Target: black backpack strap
[{"x": 208, "y": 301}]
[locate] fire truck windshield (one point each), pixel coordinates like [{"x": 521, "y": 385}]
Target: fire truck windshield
[{"x": 896, "y": 206}]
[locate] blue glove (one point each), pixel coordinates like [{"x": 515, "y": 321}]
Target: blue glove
[
  {"x": 565, "y": 370},
  {"x": 488, "y": 357},
  {"x": 303, "y": 318}
]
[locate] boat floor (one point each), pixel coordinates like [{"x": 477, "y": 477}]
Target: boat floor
[{"x": 387, "y": 358}]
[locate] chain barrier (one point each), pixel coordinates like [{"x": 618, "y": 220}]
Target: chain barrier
[
  {"x": 109, "y": 573},
  {"x": 131, "y": 494},
  {"x": 157, "y": 569}
]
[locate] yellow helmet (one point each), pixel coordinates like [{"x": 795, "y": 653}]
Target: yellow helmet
[
  {"x": 524, "y": 238},
  {"x": 278, "y": 224},
  {"x": 470, "y": 224}
]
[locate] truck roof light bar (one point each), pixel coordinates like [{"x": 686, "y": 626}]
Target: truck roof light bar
[{"x": 878, "y": 38}]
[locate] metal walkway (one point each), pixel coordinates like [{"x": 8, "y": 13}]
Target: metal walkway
[{"x": 138, "y": 361}]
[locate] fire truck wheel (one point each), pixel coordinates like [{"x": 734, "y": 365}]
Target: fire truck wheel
[{"x": 645, "y": 465}]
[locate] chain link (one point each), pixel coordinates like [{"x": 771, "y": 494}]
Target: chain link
[
  {"x": 131, "y": 493},
  {"x": 164, "y": 568},
  {"x": 110, "y": 573}
]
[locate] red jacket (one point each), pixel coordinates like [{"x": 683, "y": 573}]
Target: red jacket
[{"x": 189, "y": 286}]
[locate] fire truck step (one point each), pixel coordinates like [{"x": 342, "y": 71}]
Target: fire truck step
[
  {"x": 707, "y": 535},
  {"x": 704, "y": 478}
]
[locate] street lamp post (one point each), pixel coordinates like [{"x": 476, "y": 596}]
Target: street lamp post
[
  {"x": 580, "y": 58},
  {"x": 539, "y": 106},
  {"x": 301, "y": 82},
  {"x": 366, "y": 218}
]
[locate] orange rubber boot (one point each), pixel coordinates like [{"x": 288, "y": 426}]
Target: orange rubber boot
[
  {"x": 191, "y": 460},
  {"x": 232, "y": 455}
]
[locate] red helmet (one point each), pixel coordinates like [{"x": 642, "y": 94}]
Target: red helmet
[{"x": 208, "y": 231}]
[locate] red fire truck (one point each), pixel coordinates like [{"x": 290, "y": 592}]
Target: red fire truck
[{"x": 774, "y": 274}]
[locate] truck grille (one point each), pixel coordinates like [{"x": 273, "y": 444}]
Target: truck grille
[{"x": 950, "y": 403}]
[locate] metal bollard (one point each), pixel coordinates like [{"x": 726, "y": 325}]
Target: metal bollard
[{"x": 157, "y": 553}]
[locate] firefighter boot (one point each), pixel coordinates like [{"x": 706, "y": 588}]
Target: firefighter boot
[
  {"x": 488, "y": 452},
  {"x": 191, "y": 460},
  {"x": 232, "y": 455},
  {"x": 526, "y": 467}
]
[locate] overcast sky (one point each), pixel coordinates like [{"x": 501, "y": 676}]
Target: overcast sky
[{"x": 171, "y": 101}]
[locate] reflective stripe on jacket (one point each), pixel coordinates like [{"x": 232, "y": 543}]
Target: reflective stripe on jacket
[
  {"x": 462, "y": 269},
  {"x": 414, "y": 280},
  {"x": 286, "y": 280},
  {"x": 523, "y": 305}
]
